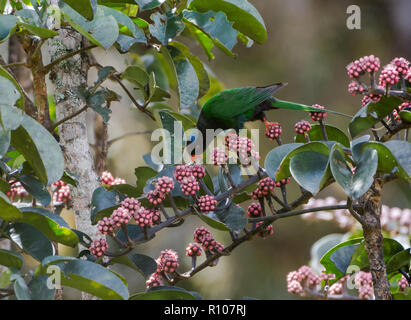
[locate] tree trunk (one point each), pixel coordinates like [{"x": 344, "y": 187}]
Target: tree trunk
[
  {"x": 66, "y": 76},
  {"x": 371, "y": 206}
]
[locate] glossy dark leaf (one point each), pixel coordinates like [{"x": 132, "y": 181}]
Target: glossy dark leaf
[
  {"x": 245, "y": 16},
  {"x": 30, "y": 240},
  {"x": 8, "y": 212},
  {"x": 164, "y": 293},
  {"x": 11, "y": 259},
  {"x": 275, "y": 157},
  {"x": 371, "y": 114},
  {"x": 399, "y": 260},
  {"x": 233, "y": 217},
  {"x": 166, "y": 27},
  {"x": 39, "y": 290},
  {"x": 401, "y": 150},
  {"x": 333, "y": 134},
  {"x": 354, "y": 185},
  {"x": 85, "y": 8},
  {"x": 139, "y": 262},
  {"x": 103, "y": 203},
  {"x": 50, "y": 224},
  {"x": 310, "y": 170},
  {"x": 40, "y": 149},
  {"x": 36, "y": 189},
  {"x": 7, "y": 26}
]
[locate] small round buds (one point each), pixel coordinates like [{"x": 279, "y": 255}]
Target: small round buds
[
  {"x": 118, "y": 181},
  {"x": 355, "y": 88},
  {"x": 143, "y": 218},
  {"x": 354, "y": 69},
  {"x": 98, "y": 247},
  {"x": 219, "y": 156},
  {"x": 266, "y": 186},
  {"x": 257, "y": 194},
  {"x": 62, "y": 194},
  {"x": 155, "y": 216},
  {"x": 193, "y": 249},
  {"x": 206, "y": 203},
  {"x": 155, "y": 197},
  {"x": 318, "y": 115},
  {"x": 283, "y": 182},
  {"x": 273, "y": 130},
  {"x": 190, "y": 186},
  {"x": 120, "y": 216},
  {"x": 182, "y": 171},
  {"x": 370, "y": 98},
  {"x": 131, "y": 204},
  {"x": 200, "y": 233},
  {"x": 254, "y": 210},
  {"x": 168, "y": 261},
  {"x": 370, "y": 63},
  {"x": 267, "y": 231},
  {"x": 403, "y": 284},
  {"x": 154, "y": 281},
  {"x": 402, "y": 65},
  {"x": 302, "y": 127},
  {"x": 164, "y": 185},
  {"x": 105, "y": 226},
  {"x": 106, "y": 178},
  {"x": 388, "y": 76},
  {"x": 198, "y": 171}
]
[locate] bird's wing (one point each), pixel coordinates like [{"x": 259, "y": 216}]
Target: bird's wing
[{"x": 233, "y": 102}]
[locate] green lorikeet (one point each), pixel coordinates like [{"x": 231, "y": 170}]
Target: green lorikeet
[{"x": 231, "y": 109}]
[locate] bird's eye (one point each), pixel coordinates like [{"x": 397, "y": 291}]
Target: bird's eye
[{"x": 192, "y": 138}]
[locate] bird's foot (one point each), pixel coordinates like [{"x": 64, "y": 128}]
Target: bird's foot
[{"x": 268, "y": 123}]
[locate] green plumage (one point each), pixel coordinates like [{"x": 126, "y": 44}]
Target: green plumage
[{"x": 230, "y": 109}]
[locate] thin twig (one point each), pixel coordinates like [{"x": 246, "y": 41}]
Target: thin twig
[
  {"x": 110, "y": 142},
  {"x": 47, "y": 68},
  {"x": 69, "y": 117}
]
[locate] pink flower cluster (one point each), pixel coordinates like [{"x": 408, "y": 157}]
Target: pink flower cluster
[
  {"x": 16, "y": 190},
  {"x": 61, "y": 192},
  {"x": 107, "y": 178},
  {"x": 167, "y": 262},
  {"x": 203, "y": 237}
]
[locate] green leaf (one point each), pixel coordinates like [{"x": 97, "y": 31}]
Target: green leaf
[
  {"x": 92, "y": 278},
  {"x": 275, "y": 157},
  {"x": 5, "y": 279},
  {"x": 103, "y": 203},
  {"x": 148, "y": 4},
  {"x": 333, "y": 134},
  {"x": 5, "y": 74},
  {"x": 202, "y": 75},
  {"x": 84, "y": 7},
  {"x": 8, "y": 212},
  {"x": 405, "y": 115},
  {"x": 135, "y": 233},
  {"x": 11, "y": 259},
  {"x": 96, "y": 102},
  {"x": 387, "y": 163},
  {"x": 399, "y": 260},
  {"x": 70, "y": 178},
  {"x": 39, "y": 290},
  {"x": 371, "y": 114},
  {"x": 310, "y": 170},
  {"x": 7, "y": 26},
  {"x": 233, "y": 217},
  {"x": 186, "y": 121},
  {"x": 21, "y": 290},
  {"x": 4, "y": 186},
  {"x": 38, "y": 31},
  {"x": 137, "y": 76},
  {"x": 30, "y": 240},
  {"x": 50, "y": 224},
  {"x": 354, "y": 185},
  {"x": 216, "y": 27},
  {"x": 40, "y": 149},
  {"x": 338, "y": 258},
  {"x": 166, "y": 27},
  {"x": 212, "y": 220},
  {"x": 8, "y": 92},
  {"x": 185, "y": 75},
  {"x": 164, "y": 293},
  {"x": 402, "y": 296},
  {"x": 102, "y": 31},
  {"x": 11, "y": 117},
  {"x": 283, "y": 171},
  {"x": 244, "y": 15},
  {"x": 5, "y": 136},
  {"x": 172, "y": 138},
  {"x": 139, "y": 262},
  {"x": 402, "y": 152},
  {"x": 127, "y": 189},
  {"x": 36, "y": 189},
  {"x": 360, "y": 256},
  {"x": 143, "y": 174}
]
